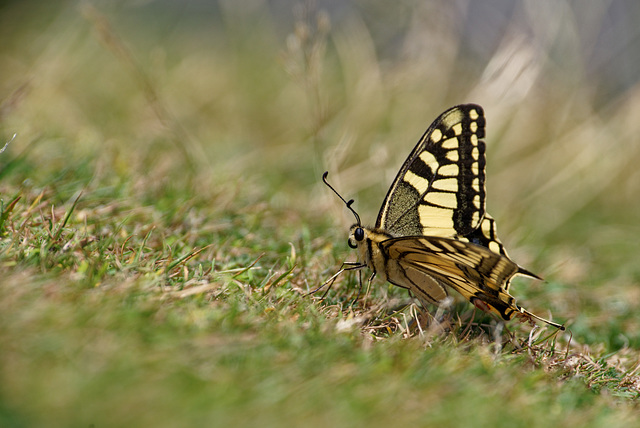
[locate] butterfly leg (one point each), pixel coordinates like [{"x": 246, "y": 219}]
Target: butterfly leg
[
  {"x": 330, "y": 281},
  {"x": 369, "y": 281},
  {"x": 360, "y": 287}
]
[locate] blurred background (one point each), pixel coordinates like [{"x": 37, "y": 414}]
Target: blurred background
[{"x": 248, "y": 102}]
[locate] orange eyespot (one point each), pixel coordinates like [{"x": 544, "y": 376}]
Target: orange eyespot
[{"x": 483, "y": 306}]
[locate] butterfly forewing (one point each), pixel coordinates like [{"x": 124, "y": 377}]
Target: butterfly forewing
[{"x": 440, "y": 190}]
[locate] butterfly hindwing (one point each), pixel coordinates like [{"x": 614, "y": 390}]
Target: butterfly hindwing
[
  {"x": 473, "y": 271},
  {"x": 440, "y": 190},
  {"x": 487, "y": 236}
]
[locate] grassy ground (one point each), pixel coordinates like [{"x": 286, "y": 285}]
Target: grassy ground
[{"x": 163, "y": 217}]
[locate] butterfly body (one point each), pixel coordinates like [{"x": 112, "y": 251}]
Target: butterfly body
[{"x": 432, "y": 233}]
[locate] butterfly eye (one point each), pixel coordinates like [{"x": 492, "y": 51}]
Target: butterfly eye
[{"x": 358, "y": 234}]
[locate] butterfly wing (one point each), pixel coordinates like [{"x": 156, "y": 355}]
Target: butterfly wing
[
  {"x": 440, "y": 189},
  {"x": 427, "y": 265},
  {"x": 487, "y": 236}
]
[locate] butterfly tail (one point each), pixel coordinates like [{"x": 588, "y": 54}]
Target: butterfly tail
[{"x": 529, "y": 316}]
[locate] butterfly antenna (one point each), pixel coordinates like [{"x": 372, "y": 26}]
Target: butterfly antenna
[{"x": 347, "y": 203}]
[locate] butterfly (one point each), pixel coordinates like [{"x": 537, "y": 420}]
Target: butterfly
[{"x": 433, "y": 234}]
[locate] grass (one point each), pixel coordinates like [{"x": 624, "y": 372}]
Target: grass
[{"x": 162, "y": 218}]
